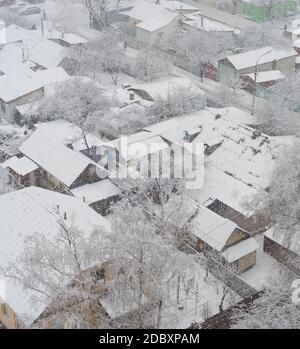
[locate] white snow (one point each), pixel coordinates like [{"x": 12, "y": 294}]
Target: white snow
[
  {"x": 63, "y": 163},
  {"x": 212, "y": 228},
  {"x": 249, "y": 59},
  {"x": 289, "y": 240},
  {"x": 240, "y": 249},
  {"x": 31, "y": 210},
  {"x": 16, "y": 85},
  {"x": 271, "y": 75},
  {"x": 235, "y": 115},
  {"x": 21, "y": 166},
  {"x": 265, "y": 267},
  {"x": 96, "y": 191}
]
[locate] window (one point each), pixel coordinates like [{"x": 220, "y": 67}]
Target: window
[{"x": 3, "y": 108}]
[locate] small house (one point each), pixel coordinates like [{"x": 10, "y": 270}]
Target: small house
[
  {"x": 260, "y": 60},
  {"x": 223, "y": 240}
]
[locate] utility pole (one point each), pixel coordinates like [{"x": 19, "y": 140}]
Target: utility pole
[{"x": 255, "y": 80}]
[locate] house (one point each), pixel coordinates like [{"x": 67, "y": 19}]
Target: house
[
  {"x": 284, "y": 247},
  {"x": 60, "y": 167},
  {"x": 15, "y": 33},
  {"x": 22, "y": 88},
  {"x": 22, "y": 170},
  {"x": 261, "y": 11},
  {"x": 264, "y": 79},
  {"x": 165, "y": 16},
  {"x": 263, "y": 59},
  {"x": 99, "y": 195},
  {"x": 28, "y": 211},
  {"x": 197, "y": 21},
  {"x": 223, "y": 239}
]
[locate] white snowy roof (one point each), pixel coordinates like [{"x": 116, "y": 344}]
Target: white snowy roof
[
  {"x": 152, "y": 16},
  {"x": 31, "y": 210},
  {"x": 246, "y": 158},
  {"x": 96, "y": 191},
  {"x": 15, "y": 33},
  {"x": 21, "y": 166},
  {"x": 296, "y": 43},
  {"x": 15, "y": 85},
  {"x": 249, "y": 59},
  {"x": 65, "y": 132},
  {"x": 240, "y": 249},
  {"x": 287, "y": 239},
  {"x": 141, "y": 144},
  {"x": 234, "y": 114},
  {"x": 200, "y": 22},
  {"x": 225, "y": 188},
  {"x": 264, "y": 76},
  {"x": 63, "y": 163},
  {"x": 161, "y": 88},
  {"x": 212, "y": 228}
]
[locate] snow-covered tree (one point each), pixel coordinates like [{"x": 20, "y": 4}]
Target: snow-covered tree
[
  {"x": 106, "y": 54},
  {"x": 48, "y": 264},
  {"x": 281, "y": 204},
  {"x": 179, "y": 101},
  {"x": 78, "y": 101},
  {"x": 274, "y": 309},
  {"x": 148, "y": 67}
]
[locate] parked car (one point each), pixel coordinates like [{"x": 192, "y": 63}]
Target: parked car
[
  {"x": 33, "y": 2},
  {"x": 18, "y": 6},
  {"x": 30, "y": 11},
  {"x": 7, "y": 2}
]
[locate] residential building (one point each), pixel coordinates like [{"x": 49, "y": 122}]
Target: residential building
[
  {"x": 223, "y": 240},
  {"x": 263, "y": 59},
  {"x": 28, "y": 211}
]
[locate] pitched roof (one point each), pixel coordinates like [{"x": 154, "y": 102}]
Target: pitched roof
[
  {"x": 240, "y": 249},
  {"x": 63, "y": 163},
  {"x": 31, "y": 210},
  {"x": 212, "y": 228},
  {"x": 287, "y": 239},
  {"x": 16, "y": 85},
  {"x": 21, "y": 166},
  {"x": 250, "y": 58}
]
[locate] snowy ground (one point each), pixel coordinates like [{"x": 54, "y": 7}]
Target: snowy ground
[{"x": 265, "y": 267}]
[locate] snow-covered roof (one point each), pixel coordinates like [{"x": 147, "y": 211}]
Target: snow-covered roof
[
  {"x": 162, "y": 88},
  {"x": 250, "y": 58},
  {"x": 296, "y": 43},
  {"x": 218, "y": 185},
  {"x": 265, "y": 76},
  {"x": 63, "y": 163},
  {"x": 139, "y": 145},
  {"x": 244, "y": 156},
  {"x": 160, "y": 16},
  {"x": 65, "y": 132},
  {"x": 31, "y": 210},
  {"x": 235, "y": 115},
  {"x": 15, "y": 85},
  {"x": 212, "y": 228},
  {"x": 240, "y": 249},
  {"x": 21, "y": 166},
  {"x": 287, "y": 239},
  {"x": 15, "y": 33},
  {"x": 98, "y": 191},
  {"x": 198, "y": 21}
]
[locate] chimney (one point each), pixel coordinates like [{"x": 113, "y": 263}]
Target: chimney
[
  {"x": 202, "y": 22},
  {"x": 23, "y": 55},
  {"x": 69, "y": 144},
  {"x": 65, "y": 216},
  {"x": 57, "y": 208},
  {"x": 131, "y": 96}
]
